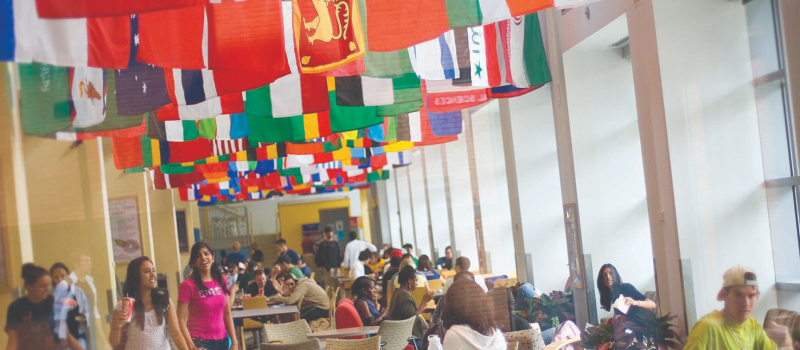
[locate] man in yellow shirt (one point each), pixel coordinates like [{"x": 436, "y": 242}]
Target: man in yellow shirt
[{"x": 733, "y": 328}]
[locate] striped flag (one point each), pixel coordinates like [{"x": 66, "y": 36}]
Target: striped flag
[
  {"x": 223, "y": 147},
  {"x": 224, "y": 127},
  {"x": 358, "y": 91},
  {"x": 436, "y": 59},
  {"x": 232, "y": 103},
  {"x": 181, "y": 130},
  {"x": 497, "y": 10}
]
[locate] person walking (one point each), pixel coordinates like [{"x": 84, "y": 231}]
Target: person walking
[{"x": 328, "y": 259}]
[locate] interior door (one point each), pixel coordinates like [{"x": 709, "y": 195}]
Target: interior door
[{"x": 339, "y": 219}]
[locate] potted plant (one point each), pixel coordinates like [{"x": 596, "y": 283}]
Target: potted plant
[
  {"x": 550, "y": 310},
  {"x": 610, "y": 335},
  {"x": 645, "y": 332}
]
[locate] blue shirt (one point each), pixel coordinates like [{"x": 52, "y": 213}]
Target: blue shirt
[
  {"x": 235, "y": 258},
  {"x": 306, "y": 271},
  {"x": 430, "y": 275},
  {"x": 293, "y": 256}
]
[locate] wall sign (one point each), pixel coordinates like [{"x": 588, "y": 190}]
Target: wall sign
[{"x": 126, "y": 235}]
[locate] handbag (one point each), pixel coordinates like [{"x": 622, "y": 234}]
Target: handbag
[{"x": 435, "y": 329}]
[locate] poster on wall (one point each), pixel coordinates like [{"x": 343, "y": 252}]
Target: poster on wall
[{"x": 126, "y": 237}]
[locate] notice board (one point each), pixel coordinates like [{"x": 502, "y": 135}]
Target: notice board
[{"x": 126, "y": 234}]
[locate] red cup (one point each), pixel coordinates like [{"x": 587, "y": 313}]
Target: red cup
[
  {"x": 261, "y": 292},
  {"x": 128, "y": 303}
]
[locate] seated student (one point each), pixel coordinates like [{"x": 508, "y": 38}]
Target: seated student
[
  {"x": 610, "y": 286},
  {"x": 375, "y": 262},
  {"x": 246, "y": 276},
  {"x": 394, "y": 268},
  {"x": 422, "y": 282},
  {"x": 460, "y": 277},
  {"x": 357, "y": 267},
  {"x": 445, "y": 262},
  {"x": 233, "y": 270},
  {"x": 316, "y": 304},
  {"x": 462, "y": 264},
  {"x": 303, "y": 267},
  {"x": 392, "y": 253},
  {"x": 235, "y": 256},
  {"x": 285, "y": 262},
  {"x": 281, "y": 248},
  {"x": 469, "y": 320},
  {"x": 733, "y": 328},
  {"x": 261, "y": 286},
  {"x": 366, "y": 296},
  {"x": 403, "y": 305},
  {"x": 426, "y": 268}
]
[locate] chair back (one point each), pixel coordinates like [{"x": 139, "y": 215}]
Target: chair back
[
  {"x": 396, "y": 333},
  {"x": 291, "y": 332},
  {"x": 346, "y": 301},
  {"x": 447, "y": 273},
  {"x": 505, "y": 282},
  {"x": 347, "y": 317},
  {"x": 250, "y": 304},
  {"x": 332, "y": 312},
  {"x": 529, "y": 339},
  {"x": 502, "y": 309},
  {"x": 435, "y": 285},
  {"x": 490, "y": 280},
  {"x": 790, "y": 319},
  {"x": 373, "y": 343},
  {"x": 418, "y": 294},
  {"x": 308, "y": 344}
]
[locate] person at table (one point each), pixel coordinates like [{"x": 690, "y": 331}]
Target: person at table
[
  {"x": 70, "y": 306},
  {"x": 285, "y": 262},
  {"x": 316, "y": 303},
  {"x": 262, "y": 286},
  {"x": 256, "y": 254},
  {"x": 247, "y": 274},
  {"x": 327, "y": 259},
  {"x": 303, "y": 267},
  {"x": 153, "y": 312},
  {"x": 357, "y": 269},
  {"x": 29, "y": 319},
  {"x": 282, "y": 248},
  {"x": 236, "y": 256},
  {"x": 353, "y": 249},
  {"x": 733, "y": 328},
  {"x": 468, "y": 319},
  {"x": 445, "y": 262},
  {"x": 610, "y": 286},
  {"x": 403, "y": 306},
  {"x": 394, "y": 268},
  {"x": 422, "y": 282},
  {"x": 462, "y": 264},
  {"x": 410, "y": 251},
  {"x": 366, "y": 296},
  {"x": 426, "y": 268},
  {"x": 463, "y": 276},
  {"x": 375, "y": 262},
  {"x": 204, "y": 312},
  {"x": 233, "y": 270}
]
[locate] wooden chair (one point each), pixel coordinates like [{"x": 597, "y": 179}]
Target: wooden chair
[
  {"x": 373, "y": 343},
  {"x": 250, "y": 325}
]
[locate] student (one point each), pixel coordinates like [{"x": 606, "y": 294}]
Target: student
[
  {"x": 426, "y": 268},
  {"x": 223, "y": 255},
  {"x": 354, "y": 248},
  {"x": 410, "y": 251},
  {"x": 262, "y": 286},
  {"x": 366, "y": 303},
  {"x": 375, "y": 262},
  {"x": 316, "y": 304},
  {"x": 285, "y": 263},
  {"x": 462, "y": 264},
  {"x": 357, "y": 268},
  {"x": 281, "y": 248},
  {"x": 204, "y": 313},
  {"x": 153, "y": 312},
  {"x": 469, "y": 320},
  {"x": 408, "y": 260},
  {"x": 610, "y": 286},
  {"x": 81, "y": 277},
  {"x": 236, "y": 256},
  {"x": 246, "y": 276},
  {"x": 29, "y": 319},
  {"x": 445, "y": 262},
  {"x": 459, "y": 278},
  {"x": 327, "y": 259},
  {"x": 394, "y": 268},
  {"x": 233, "y": 270},
  {"x": 256, "y": 254},
  {"x": 403, "y": 305},
  {"x": 303, "y": 267},
  {"x": 69, "y": 319},
  {"x": 733, "y": 328}
]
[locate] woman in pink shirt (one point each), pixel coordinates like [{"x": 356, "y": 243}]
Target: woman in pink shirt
[{"x": 203, "y": 310}]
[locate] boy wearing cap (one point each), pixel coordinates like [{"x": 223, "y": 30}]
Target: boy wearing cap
[{"x": 733, "y": 328}]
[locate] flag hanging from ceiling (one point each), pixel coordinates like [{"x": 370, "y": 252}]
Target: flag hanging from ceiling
[
  {"x": 173, "y": 38},
  {"x": 407, "y": 96},
  {"x": 140, "y": 87},
  {"x": 95, "y": 42},
  {"x": 443, "y": 96},
  {"x": 226, "y": 104},
  {"x": 181, "y": 130},
  {"x": 382, "y": 64},
  {"x": 395, "y": 26},
  {"x": 463, "y": 13},
  {"x": 224, "y": 127},
  {"x": 104, "y": 8},
  {"x": 246, "y": 35},
  {"x": 436, "y": 59},
  {"x": 525, "y": 56},
  {"x": 358, "y": 91},
  {"x": 497, "y": 10},
  {"x": 325, "y": 33}
]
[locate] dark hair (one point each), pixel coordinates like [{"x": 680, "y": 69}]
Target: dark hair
[
  {"x": 395, "y": 262},
  {"x": 59, "y": 265},
  {"x": 283, "y": 258},
  {"x": 284, "y": 275},
  {"x": 375, "y": 254},
  {"x": 359, "y": 285},
  {"x": 463, "y": 275},
  {"x": 364, "y": 255},
  {"x": 258, "y": 272},
  {"x": 467, "y": 304},
  {"x": 223, "y": 253},
  {"x": 406, "y": 256},
  {"x": 216, "y": 271},
  {"x": 424, "y": 263},
  {"x": 302, "y": 259},
  {"x": 131, "y": 289},
  {"x": 446, "y": 248},
  {"x": 280, "y": 241},
  {"x": 327, "y": 229},
  {"x": 408, "y": 246},
  {"x": 463, "y": 263},
  {"x": 605, "y": 292},
  {"x": 406, "y": 274},
  {"x": 32, "y": 273},
  {"x": 353, "y": 234},
  {"x": 232, "y": 265}
]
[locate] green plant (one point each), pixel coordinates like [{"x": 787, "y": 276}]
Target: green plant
[
  {"x": 550, "y": 310},
  {"x": 610, "y": 335},
  {"x": 643, "y": 332}
]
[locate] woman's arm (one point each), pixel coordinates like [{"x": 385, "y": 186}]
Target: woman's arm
[
  {"x": 174, "y": 328},
  {"x": 183, "y": 315},
  {"x": 647, "y": 303},
  {"x": 73, "y": 343},
  {"x": 229, "y": 326},
  {"x": 424, "y": 303},
  {"x": 363, "y": 311},
  {"x": 12, "y": 340},
  {"x": 118, "y": 321}
]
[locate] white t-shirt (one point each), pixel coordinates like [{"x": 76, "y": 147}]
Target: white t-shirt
[
  {"x": 356, "y": 270},
  {"x": 353, "y": 249},
  {"x": 460, "y": 337}
]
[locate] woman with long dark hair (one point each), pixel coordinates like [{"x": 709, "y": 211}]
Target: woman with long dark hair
[
  {"x": 204, "y": 312},
  {"x": 610, "y": 286},
  {"x": 469, "y": 319},
  {"x": 363, "y": 290},
  {"x": 153, "y": 312},
  {"x": 403, "y": 305},
  {"x": 425, "y": 266}
]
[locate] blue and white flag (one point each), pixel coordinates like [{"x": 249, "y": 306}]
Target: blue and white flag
[{"x": 435, "y": 59}]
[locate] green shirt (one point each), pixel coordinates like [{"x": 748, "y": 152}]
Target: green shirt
[
  {"x": 713, "y": 332},
  {"x": 296, "y": 272}
]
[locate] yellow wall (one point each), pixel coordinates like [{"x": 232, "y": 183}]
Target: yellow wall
[
  {"x": 293, "y": 216},
  {"x": 364, "y": 221}
]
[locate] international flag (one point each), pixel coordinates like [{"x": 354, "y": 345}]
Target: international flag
[
  {"x": 132, "y": 152},
  {"x": 181, "y": 130},
  {"x": 463, "y": 13},
  {"x": 104, "y": 8},
  {"x": 436, "y": 59},
  {"x": 224, "y": 127},
  {"x": 355, "y": 91},
  {"x": 246, "y": 35},
  {"x": 444, "y": 96},
  {"x": 224, "y": 147},
  {"x": 382, "y": 64},
  {"x": 394, "y": 26},
  {"x": 163, "y": 181},
  {"x": 497, "y": 10},
  {"x": 140, "y": 87},
  {"x": 232, "y": 103},
  {"x": 525, "y": 56},
  {"x": 346, "y": 118},
  {"x": 71, "y": 103},
  {"x": 407, "y": 96},
  {"x": 324, "y": 34},
  {"x": 356, "y": 67},
  {"x": 173, "y": 38},
  {"x": 95, "y": 42}
]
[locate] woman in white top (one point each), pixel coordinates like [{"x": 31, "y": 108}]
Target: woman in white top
[
  {"x": 357, "y": 267},
  {"x": 469, "y": 320},
  {"x": 153, "y": 312}
]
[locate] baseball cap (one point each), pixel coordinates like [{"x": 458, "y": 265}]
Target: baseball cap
[
  {"x": 739, "y": 276},
  {"x": 283, "y": 258}
]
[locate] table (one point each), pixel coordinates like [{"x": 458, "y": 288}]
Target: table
[
  {"x": 266, "y": 311},
  {"x": 345, "y": 332}
]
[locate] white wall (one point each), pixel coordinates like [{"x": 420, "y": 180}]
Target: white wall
[
  {"x": 714, "y": 144},
  {"x": 419, "y": 206},
  {"x": 438, "y": 200},
  {"x": 608, "y": 158},
  {"x": 539, "y": 189},
  {"x": 461, "y": 199}
]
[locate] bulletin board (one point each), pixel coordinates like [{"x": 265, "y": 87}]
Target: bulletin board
[{"x": 126, "y": 233}]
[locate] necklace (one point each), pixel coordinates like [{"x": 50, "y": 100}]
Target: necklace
[{"x": 735, "y": 336}]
